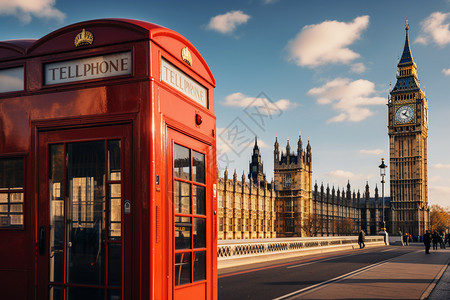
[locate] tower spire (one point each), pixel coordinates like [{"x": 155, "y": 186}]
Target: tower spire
[{"x": 407, "y": 58}]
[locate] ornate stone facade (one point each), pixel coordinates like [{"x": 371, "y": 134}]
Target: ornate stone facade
[
  {"x": 246, "y": 209},
  {"x": 344, "y": 212},
  {"x": 293, "y": 186},
  {"x": 408, "y": 132}
]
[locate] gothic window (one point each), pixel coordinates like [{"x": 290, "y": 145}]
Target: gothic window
[{"x": 288, "y": 180}]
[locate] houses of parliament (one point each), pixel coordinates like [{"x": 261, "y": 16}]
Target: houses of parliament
[{"x": 291, "y": 206}]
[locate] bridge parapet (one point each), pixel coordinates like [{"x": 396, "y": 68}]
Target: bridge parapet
[{"x": 255, "y": 250}]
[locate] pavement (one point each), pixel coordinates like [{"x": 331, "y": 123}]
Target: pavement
[{"x": 414, "y": 275}]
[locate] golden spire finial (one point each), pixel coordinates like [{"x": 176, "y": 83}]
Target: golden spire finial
[{"x": 406, "y": 25}]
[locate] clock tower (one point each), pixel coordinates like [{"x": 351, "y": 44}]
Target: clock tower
[{"x": 408, "y": 132}]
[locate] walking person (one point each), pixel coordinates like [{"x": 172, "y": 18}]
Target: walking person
[
  {"x": 435, "y": 239},
  {"x": 427, "y": 241},
  {"x": 406, "y": 239},
  {"x": 361, "y": 239}
]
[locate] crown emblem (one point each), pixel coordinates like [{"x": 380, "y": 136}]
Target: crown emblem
[
  {"x": 84, "y": 38},
  {"x": 186, "y": 56}
]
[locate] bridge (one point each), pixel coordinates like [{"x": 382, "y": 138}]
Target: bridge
[{"x": 330, "y": 268}]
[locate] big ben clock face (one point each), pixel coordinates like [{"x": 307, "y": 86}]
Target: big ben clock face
[{"x": 404, "y": 114}]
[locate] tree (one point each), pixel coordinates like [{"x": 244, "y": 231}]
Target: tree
[
  {"x": 311, "y": 225},
  {"x": 439, "y": 218},
  {"x": 345, "y": 226}
]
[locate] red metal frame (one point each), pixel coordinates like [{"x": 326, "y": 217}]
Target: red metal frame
[{"x": 154, "y": 113}]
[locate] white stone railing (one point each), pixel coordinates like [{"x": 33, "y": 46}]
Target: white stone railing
[{"x": 229, "y": 249}]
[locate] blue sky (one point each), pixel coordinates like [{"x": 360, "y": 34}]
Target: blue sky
[{"x": 320, "y": 67}]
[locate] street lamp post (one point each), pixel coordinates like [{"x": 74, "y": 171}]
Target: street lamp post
[{"x": 382, "y": 174}]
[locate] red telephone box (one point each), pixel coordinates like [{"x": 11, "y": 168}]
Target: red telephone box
[{"x": 107, "y": 165}]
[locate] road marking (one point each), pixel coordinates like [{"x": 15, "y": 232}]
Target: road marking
[
  {"x": 336, "y": 279},
  {"x": 388, "y": 250}
]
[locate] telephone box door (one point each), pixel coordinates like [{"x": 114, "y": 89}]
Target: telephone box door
[
  {"x": 84, "y": 214},
  {"x": 190, "y": 182}
]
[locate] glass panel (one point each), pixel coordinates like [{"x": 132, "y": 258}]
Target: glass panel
[
  {"x": 114, "y": 295},
  {"x": 114, "y": 166},
  {"x": 11, "y": 179},
  {"x": 182, "y": 197},
  {"x": 182, "y": 162},
  {"x": 56, "y": 293},
  {"x": 16, "y": 197},
  {"x": 198, "y": 167},
  {"x": 182, "y": 268},
  {"x": 199, "y": 265},
  {"x": 56, "y": 226},
  {"x": 85, "y": 214},
  {"x": 199, "y": 200},
  {"x": 11, "y": 80},
  {"x": 76, "y": 293},
  {"x": 183, "y": 228},
  {"x": 199, "y": 233},
  {"x": 115, "y": 265},
  {"x": 11, "y": 173},
  {"x": 115, "y": 211}
]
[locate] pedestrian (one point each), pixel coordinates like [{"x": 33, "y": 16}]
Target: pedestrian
[
  {"x": 435, "y": 239},
  {"x": 361, "y": 239},
  {"x": 406, "y": 239},
  {"x": 442, "y": 240},
  {"x": 427, "y": 241},
  {"x": 401, "y": 237}
]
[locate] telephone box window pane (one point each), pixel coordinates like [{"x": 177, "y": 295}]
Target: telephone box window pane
[
  {"x": 183, "y": 228},
  {"x": 56, "y": 234},
  {"x": 114, "y": 295},
  {"x": 199, "y": 265},
  {"x": 115, "y": 211},
  {"x": 199, "y": 200},
  {"x": 11, "y": 173},
  {"x": 114, "y": 160},
  {"x": 115, "y": 265},
  {"x": 85, "y": 213},
  {"x": 182, "y": 162},
  {"x": 198, "y": 168},
  {"x": 85, "y": 293},
  {"x": 11, "y": 80},
  {"x": 182, "y": 268},
  {"x": 182, "y": 199},
  {"x": 56, "y": 293},
  {"x": 11, "y": 192},
  {"x": 199, "y": 233}
]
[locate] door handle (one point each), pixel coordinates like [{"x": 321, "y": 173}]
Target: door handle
[{"x": 41, "y": 240}]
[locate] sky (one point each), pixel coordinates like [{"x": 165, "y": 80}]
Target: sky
[{"x": 322, "y": 69}]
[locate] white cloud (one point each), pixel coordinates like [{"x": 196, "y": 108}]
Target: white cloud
[
  {"x": 263, "y": 105},
  {"x": 227, "y": 23},
  {"x": 371, "y": 152},
  {"x": 341, "y": 174},
  {"x": 439, "y": 195},
  {"x": 358, "y": 68},
  {"x": 349, "y": 98},
  {"x": 326, "y": 42},
  {"x": 25, "y": 10},
  {"x": 434, "y": 178},
  {"x": 435, "y": 28},
  {"x": 440, "y": 166},
  {"x": 446, "y": 71},
  {"x": 263, "y": 144},
  {"x": 269, "y": 1}
]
